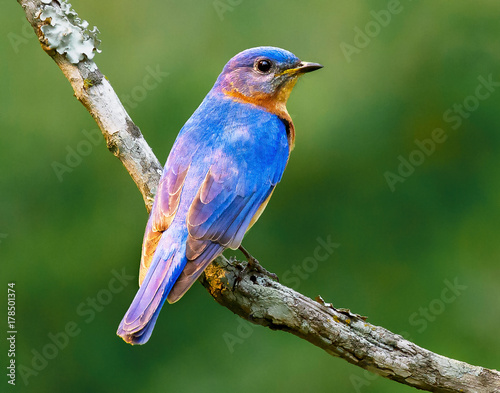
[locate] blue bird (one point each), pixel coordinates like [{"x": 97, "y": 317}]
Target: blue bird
[{"x": 219, "y": 177}]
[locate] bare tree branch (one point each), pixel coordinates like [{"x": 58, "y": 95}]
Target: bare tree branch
[
  {"x": 257, "y": 298},
  {"x": 92, "y": 89},
  {"x": 265, "y": 302}
]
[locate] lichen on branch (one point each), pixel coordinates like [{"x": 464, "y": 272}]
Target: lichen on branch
[{"x": 66, "y": 33}]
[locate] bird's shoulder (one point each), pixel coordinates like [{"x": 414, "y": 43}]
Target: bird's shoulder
[
  {"x": 220, "y": 119},
  {"x": 242, "y": 143}
]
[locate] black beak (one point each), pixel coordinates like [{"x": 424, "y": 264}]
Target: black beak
[{"x": 305, "y": 66}]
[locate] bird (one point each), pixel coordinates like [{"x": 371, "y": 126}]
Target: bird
[{"x": 219, "y": 176}]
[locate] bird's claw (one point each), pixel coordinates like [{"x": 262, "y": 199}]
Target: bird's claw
[{"x": 253, "y": 265}]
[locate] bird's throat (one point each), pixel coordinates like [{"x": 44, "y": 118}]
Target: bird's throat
[{"x": 275, "y": 104}]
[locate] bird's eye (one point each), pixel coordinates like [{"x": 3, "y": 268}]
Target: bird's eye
[{"x": 263, "y": 65}]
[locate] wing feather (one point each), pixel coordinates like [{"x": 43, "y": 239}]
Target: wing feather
[
  {"x": 162, "y": 215},
  {"x": 234, "y": 172}
]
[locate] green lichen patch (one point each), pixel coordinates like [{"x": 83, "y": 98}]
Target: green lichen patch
[{"x": 87, "y": 83}]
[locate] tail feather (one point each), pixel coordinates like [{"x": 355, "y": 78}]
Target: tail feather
[
  {"x": 193, "y": 270},
  {"x": 168, "y": 262}
]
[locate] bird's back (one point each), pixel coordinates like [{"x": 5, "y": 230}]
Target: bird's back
[{"x": 245, "y": 149}]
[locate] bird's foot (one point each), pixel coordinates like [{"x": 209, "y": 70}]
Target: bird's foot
[{"x": 253, "y": 265}]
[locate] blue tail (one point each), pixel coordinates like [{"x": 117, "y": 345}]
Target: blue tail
[{"x": 167, "y": 264}]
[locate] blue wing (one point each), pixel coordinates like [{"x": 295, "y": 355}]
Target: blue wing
[
  {"x": 245, "y": 163},
  {"x": 225, "y": 163},
  {"x": 164, "y": 210},
  {"x": 222, "y": 168}
]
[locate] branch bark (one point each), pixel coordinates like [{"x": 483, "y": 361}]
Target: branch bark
[
  {"x": 123, "y": 138},
  {"x": 257, "y": 298}
]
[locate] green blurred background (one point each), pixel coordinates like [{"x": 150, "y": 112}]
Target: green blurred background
[{"x": 61, "y": 240}]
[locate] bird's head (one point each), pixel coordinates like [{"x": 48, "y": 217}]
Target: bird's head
[{"x": 263, "y": 76}]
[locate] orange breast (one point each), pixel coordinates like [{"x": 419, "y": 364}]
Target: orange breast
[{"x": 275, "y": 104}]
